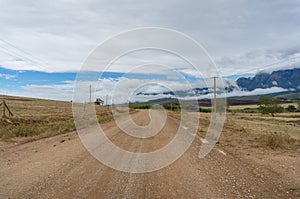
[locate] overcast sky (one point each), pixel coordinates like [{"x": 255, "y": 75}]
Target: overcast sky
[
  {"x": 241, "y": 37},
  {"x": 58, "y": 35}
]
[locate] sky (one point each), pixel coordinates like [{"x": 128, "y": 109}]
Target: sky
[{"x": 56, "y": 37}]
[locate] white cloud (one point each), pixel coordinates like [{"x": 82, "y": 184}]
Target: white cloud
[
  {"x": 117, "y": 90},
  {"x": 7, "y": 76},
  {"x": 192, "y": 73},
  {"x": 62, "y": 33},
  {"x": 241, "y": 36},
  {"x": 258, "y": 91},
  {"x": 122, "y": 90},
  {"x": 58, "y": 91},
  {"x": 259, "y": 61}
]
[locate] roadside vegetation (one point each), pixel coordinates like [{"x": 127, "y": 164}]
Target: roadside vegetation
[
  {"x": 268, "y": 124},
  {"x": 172, "y": 107},
  {"x": 266, "y": 106},
  {"x": 36, "y": 118}
]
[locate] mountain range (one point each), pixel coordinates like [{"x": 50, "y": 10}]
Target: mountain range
[
  {"x": 277, "y": 81},
  {"x": 287, "y": 79}
]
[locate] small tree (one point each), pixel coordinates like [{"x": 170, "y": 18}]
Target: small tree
[
  {"x": 298, "y": 106},
  {"x": 268, "y": 105},
  {"x": 291, "y": 108}
]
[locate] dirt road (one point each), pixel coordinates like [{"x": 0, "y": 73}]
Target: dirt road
[{"x": 60, "y": 167}]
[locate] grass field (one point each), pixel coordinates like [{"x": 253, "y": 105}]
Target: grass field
[
  {"x": 257, "y": 130},
  {"x": 240, "y": 107},
  {"x": 281, "y": 132},
  {"x": 36, "y": 118}
]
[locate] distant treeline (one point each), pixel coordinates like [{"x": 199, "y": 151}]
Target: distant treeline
[
  {"x": 170, "y": 106},
  {"x": 268, "y": 105}
]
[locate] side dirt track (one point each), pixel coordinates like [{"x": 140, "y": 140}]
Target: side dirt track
[{"x": 60, "y": 167}]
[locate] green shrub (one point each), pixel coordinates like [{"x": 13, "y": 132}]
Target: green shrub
[
  {"x": 269, "y": 105},
  {"x": 250, "y": 110},
  {"x": 291, "y": 108},
  {"x": 205, "y": 110}
]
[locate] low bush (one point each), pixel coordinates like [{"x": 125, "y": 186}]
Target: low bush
[
  {"x": 276, "y": 140},
  {"x": 250, "y": 110}
]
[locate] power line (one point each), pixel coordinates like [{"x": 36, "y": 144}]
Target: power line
[
  {"x": 17, "y": 52},
  {"x": 18, "y": 56},
  {"x": 22, "y": 57}
]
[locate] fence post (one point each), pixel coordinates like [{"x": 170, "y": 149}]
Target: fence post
[{"x": 3, "y": 108}]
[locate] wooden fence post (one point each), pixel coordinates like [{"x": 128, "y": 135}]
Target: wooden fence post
[{"x": 4, "y": 108}]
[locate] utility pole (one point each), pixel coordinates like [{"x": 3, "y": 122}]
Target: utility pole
[
  {"x": 215, "y": 94},
  {"x": 106, "y": 100}
]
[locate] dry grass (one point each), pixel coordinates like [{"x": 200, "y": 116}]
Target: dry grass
[
  {"x": 256, "y": 130},
  {"x": 41, "y": 118},
  {"x": 37, "y": 118},
  {"x": 243, "y": 130},
  {"x": 240, "y": 107},
  {"x": 278, "y": 140}
]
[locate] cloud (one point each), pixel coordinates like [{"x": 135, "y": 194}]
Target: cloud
[
  {"x": 61, "y": 35},
  {"x": 257, "y": 91},
  {"x": 120, "y": 90},
  {"x": 58, "y": 91},
  {"x": 240, "y": 36},
  {"x": 261, "y": 60},
  {"x": 7, "y": 76}
]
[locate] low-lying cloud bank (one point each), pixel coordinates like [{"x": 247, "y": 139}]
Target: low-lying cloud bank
[{"x": 124, "y": 90}]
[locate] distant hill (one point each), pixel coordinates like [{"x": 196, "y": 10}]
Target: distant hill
[
  {"x": 288, "y": 96},
  {"x": 287, "y": 79}
]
